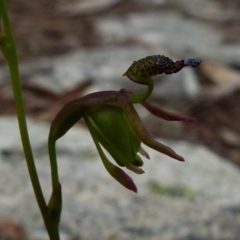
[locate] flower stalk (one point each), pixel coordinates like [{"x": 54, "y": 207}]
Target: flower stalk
[{"x": 51, "y": 212}]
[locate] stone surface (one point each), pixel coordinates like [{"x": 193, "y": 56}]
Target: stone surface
[
  {"x": 171, "y": 30},
  {"x": 183, "y": 85},
  {"x": 173, "y": 33},
  {"x": 198, "y": 199},
  {"x": 86, "y": 7}
]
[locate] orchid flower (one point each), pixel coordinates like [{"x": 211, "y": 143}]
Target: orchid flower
[{"x": 114, "y": 123}]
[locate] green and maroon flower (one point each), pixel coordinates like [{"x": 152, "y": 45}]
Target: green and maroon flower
[{"x": 114, "y": 123}]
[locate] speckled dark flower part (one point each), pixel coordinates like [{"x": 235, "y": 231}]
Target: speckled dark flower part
[{"x": 158, "y": 64}]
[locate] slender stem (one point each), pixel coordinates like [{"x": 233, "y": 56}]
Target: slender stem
[
  {"x": 53, "y": 163},
  {"x": 11, "y": 56},
  {"x": 51, "y": 215},
  {"x": 53, "y": 232}
]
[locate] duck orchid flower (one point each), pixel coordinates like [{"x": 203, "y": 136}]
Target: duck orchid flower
[{"x": 114, "y": 123}]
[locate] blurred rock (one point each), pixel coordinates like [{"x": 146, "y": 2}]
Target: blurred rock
[
  {"x": 86, "y": 7},
  {"x": 171, "y": 32},
  {"x": 210, "y": 10},
  {"x": 183, "y": 85},
  {"x": 176, "y": 201},
  {"x": 225, "y": 80},
  {"x": 229, "y": 137},
  {"x": 166, "y": 30},
  {"x": 207, "y": 9}
]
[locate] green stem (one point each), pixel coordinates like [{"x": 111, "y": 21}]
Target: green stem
[
  {"x": 51, "y": 216},
  {"x": 53, "y": 163},
  {"x": 11, "y": 56},
  {"x": 142, "y": 96}
]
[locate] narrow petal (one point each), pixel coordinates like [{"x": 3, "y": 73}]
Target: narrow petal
[
  {"x": 124, "y": 179},
  {"x": 161, "y": 113},
  {"x": 144, "y": 153},
  {"x": 115, "y": 171},
  {"x": 135, "y": 169},
  {"x": 143, "y": 134}
]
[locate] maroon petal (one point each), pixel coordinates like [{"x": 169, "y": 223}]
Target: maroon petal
[
  {"x": 115, "y": 171},
  {"x": 123, "y": 178},
  {"x": 159, "y": 112}
]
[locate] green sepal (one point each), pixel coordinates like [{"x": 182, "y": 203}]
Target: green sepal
[
  {"x": 112, "y": 130},
  {"x": 113, "y": 170}
]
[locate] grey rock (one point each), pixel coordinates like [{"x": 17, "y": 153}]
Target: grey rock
[
  {"x": 191, "y": 200},
  {"x": 86, "y": 7},
  {"x": 210, "y": 10},
  {"x": 197, "y": 6},
  {"x": 173, "y": 33},
  {"x": 183, "y": 85},
  {"x": 165, "y": 30}
]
